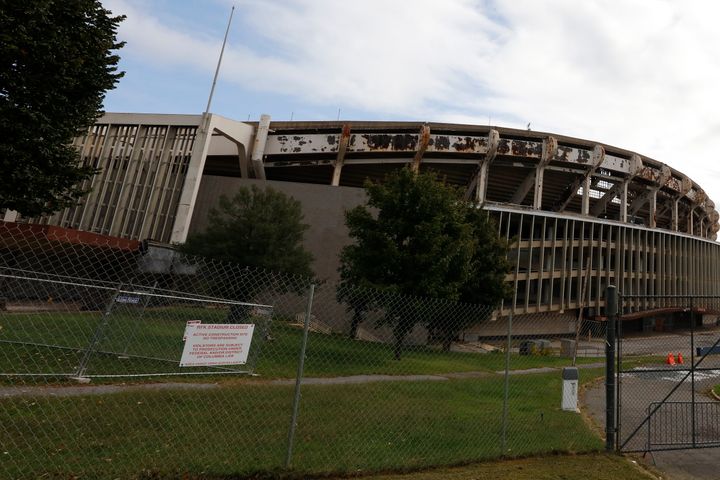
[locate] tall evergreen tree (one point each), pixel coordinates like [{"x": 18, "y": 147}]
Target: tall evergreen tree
[{"x": 57, "y": 60}]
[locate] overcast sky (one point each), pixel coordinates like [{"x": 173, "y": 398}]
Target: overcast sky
[{"x": 641, "y": 75}]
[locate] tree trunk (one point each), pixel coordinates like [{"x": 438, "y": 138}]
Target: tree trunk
[
  {"x": 355, "y": 325},
  {"x": 397, "y": 347}
]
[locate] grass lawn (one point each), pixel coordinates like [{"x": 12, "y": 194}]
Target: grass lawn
[
  {"x": 242, "y": 428},
  {"x": 153, "y": 342}
]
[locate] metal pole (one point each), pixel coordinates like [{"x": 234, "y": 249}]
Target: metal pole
[
  {"x": 217, "y": 69},
  {"x": 298, "y": 378},
  {"x": 611, "y": 306},
  {"x": 507, "y": 385},
  {"x": 619, "y": 368},
  {"x": 692, "y": 368},
  {"x": 97, "y": 336}
]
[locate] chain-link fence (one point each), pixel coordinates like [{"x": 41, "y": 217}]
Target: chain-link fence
[{"x": 118, "y": 361}]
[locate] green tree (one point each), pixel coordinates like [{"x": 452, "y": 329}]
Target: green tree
[
  {"x": 261, "y": 228},
  {"x": 484, "y": 288},
  {"x": 416, "y": 236},
  {"x": 56, "y": 63}
]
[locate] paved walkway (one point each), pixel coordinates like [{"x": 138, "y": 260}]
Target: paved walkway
[{"x": 75, "y": 390}]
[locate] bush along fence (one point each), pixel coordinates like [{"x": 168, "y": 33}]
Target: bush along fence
[{"x": 118, "y": 363}]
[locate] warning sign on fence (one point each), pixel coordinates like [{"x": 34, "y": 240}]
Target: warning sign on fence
[{"x": 213, "y": 344}]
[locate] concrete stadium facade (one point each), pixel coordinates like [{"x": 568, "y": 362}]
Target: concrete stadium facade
[{"x": 580, "y": 215}]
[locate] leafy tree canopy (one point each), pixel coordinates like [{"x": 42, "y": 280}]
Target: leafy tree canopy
[
  {"x": 258, "y": 228},
  {"x": 416, "y": 236},
  {"x": 57, "y": 61}
]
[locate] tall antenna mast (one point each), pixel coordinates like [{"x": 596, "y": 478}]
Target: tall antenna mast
[{"x": 217, "y": 69}]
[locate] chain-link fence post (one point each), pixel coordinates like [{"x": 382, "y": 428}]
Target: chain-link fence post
[
  {"x": 298, "y": 378},
  {"x": 692, "y": 370},
  {"x": 619, "y": 367},
  {"x": 611, "y": 305},
  {"x": 507, "y": 385}
]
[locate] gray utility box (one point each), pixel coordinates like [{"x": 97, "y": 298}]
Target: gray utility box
[{"x": 570, "y": 379}]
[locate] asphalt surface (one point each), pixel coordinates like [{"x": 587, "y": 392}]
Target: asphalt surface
[{"x": 640, "y": 390}]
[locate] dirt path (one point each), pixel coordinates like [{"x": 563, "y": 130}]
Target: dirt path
[{"x": 76, "y": 390}]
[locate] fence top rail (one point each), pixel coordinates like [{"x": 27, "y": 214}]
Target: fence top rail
[
  {"x": 189, "y": 297},
  {"x": 41, "y": 276}
]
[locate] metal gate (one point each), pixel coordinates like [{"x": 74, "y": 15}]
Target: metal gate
[{"x": 668, "y": 363}]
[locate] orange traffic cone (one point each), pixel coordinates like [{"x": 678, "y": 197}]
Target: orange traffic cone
[
  {"x": 670, "y": 359},
  {"x": 680, "y": 359}
]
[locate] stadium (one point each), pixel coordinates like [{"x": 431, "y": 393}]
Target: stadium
[{"x": 580, "y": 215}]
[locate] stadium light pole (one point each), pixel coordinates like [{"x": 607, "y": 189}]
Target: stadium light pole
[{"x": 217, "y": 68}]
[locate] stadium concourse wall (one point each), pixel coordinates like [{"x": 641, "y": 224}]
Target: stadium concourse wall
[{"x": 323, "y": 208}]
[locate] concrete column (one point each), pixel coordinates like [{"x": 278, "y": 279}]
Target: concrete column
[
  {"x": 423, "y": 142},
  {"x": 586, "y": 196},
  {"x": 537, "y": 199},
  {"x": 259, "y": 147},
  {"x": 481, "y": 178},
  {"x": 623, "y": 202},
  {"x": 550, "y": 147},
  {"x": 653, "y": 209},
  {"x": 481, "y": 188},
  {"x": 690, "y": 226},
  {"x": 340, "y": 159},
  {"x": 10, "y": 215},
  {"x": 243, "y": 160},
  {"x": 192, "y": 181}
]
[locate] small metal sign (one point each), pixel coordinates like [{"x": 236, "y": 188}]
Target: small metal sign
[{"x": 215, "y": 344}]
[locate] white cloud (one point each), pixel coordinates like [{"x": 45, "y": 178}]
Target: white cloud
[{"x": 637, "y": 74}]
